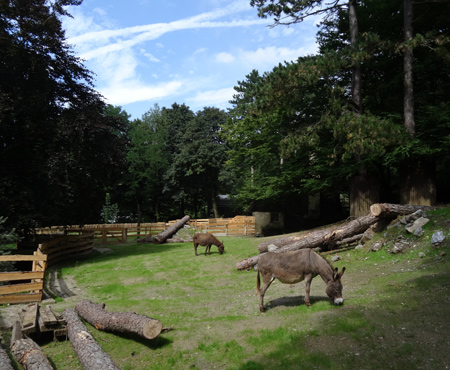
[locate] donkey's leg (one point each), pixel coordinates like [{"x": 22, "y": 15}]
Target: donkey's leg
[
  {"x": 308, "y": 279},
  {"x": 267, "y": 280},
  {"x": 195, "y": 247}
]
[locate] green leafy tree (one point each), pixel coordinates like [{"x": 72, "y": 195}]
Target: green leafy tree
[
  {"x": 201, "y": 158},
  {"x": 148, "y": 159},
  {"x": 58, "y": 148}
]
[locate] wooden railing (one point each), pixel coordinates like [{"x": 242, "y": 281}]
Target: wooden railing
[
  {"x": 55, "y": 250},
  {"x": 119, "y": 233},
  {"x": 32, "y": 282},
  {"x": 75, "y": 244}
]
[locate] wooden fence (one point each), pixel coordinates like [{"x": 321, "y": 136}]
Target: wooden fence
[
  {"x": 119, "y": 233},
  {"x": 57, "y": 249},
  {"x": 31, "y": 282}
]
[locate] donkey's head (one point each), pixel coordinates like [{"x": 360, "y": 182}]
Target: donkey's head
[
  {"x": 221, "y": 248},
  {"x": 334, "y": 287}
]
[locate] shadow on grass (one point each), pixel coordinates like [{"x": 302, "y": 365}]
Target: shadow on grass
[
  {"x": 294, "y": 301},
  {"x": 403, "y": 326}
]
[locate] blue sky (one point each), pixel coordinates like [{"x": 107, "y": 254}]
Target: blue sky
[{"x": 144, "y": 52}]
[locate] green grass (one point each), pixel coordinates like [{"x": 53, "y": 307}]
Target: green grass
[{"x": 395, "y": 314}]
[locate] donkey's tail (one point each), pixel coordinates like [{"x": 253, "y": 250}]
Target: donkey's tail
[{"x": 258, "y": 282}]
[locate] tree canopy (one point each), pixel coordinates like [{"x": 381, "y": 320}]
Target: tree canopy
[{"x": 59, "y": 148}]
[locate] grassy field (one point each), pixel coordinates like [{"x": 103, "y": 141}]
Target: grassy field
[{"x": 396, "y": 313}]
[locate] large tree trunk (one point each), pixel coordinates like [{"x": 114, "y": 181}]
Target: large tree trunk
[
  {"x": 30, "y": 355},
  {"x": 88, "y": 351},
  {"x": 328, "y": 238},
  {"x": 166, "y": 234},
  {"x": 121, "y": 322},
  {"x": 5, "y": 364},
  {"x": 408, "y": 94},
  {"x": 384, "y": 209},
  {"x": 364, "y": 191}
]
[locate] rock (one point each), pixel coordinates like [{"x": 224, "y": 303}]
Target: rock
[
  {"x": 421, "y": 254},
  {"x": 418, "y": 231},
  {"x": 335, "y": 258},
  {"x": 359, "y": 246},
  {"x": 416, "y": 224},
  {"x": 438, "y": 237},
  {"x": 368, "y": 235},
  {"x": 376, "y": 246},
  {"x": 399, "y": 247}
]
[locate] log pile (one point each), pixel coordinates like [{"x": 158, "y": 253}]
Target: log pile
[
  {"x": 381, "y": 214},
  {"x": 36, "y": 320}
]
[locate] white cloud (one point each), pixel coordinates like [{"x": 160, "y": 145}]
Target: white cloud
[
  {"x": 130, "y": 92},
  {"x": 218, "y": 98},
  {"x": 224, "y": 58},
  {"x": 262, "y": 58}
]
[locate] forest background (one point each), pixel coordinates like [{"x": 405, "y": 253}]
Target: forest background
[{"x": 365, "y": 120}]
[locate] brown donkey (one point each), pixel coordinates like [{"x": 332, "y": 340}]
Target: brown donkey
[
  {"x": 293, "y": 267},
  {"x": 207, "y": 240}
]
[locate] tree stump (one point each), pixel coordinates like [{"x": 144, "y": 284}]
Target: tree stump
[
  {"x": 89, "y": 352},
  {"x": 30, "y": 355},
  {"x": 119, "y": 322}
]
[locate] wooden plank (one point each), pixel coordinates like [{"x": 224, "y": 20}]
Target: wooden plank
[
  {"x": 21, "y": 298},
  {"x": 21, "y": 275},
  {"x": 30, "y": 319},
  {"x": 47, "y": 316},
  {"x": 18, "y": 257},
  {"x": 20, "y": 288}
]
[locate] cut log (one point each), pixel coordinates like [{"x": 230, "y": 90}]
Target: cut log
[
  {"x": 89, "y": 352},
  {"x": 118, "y": 322},
  {"x": 5, "y": 364},
  {"x": 383, "y": 209},
  {"x": 30, "y": 355},
  {"x": 171, "y": 230},
  {"x": 351, "y": 239},
  {"x": 326, "y": 239}
]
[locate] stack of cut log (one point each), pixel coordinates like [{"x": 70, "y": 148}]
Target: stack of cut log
[
  {"x": 36, "y": 319},
  {"x": 327, "y": 239}
]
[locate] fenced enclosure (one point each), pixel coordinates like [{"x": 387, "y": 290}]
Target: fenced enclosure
[{"x": 121, "y": 233}]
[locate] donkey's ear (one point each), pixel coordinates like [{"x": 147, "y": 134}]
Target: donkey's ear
[
  {"x": 341, "y": 273},
  {"x": 335, "y": 274}
]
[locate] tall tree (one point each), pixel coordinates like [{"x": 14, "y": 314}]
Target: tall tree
[
  {"x": 58, "y": 148},
  {"x": 148, "y": 160}
]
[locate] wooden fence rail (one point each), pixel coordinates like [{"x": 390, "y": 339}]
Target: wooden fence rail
[
  {"x": 119, "y": 233},
  {"x": 58, "y": 249},
  {"x": 32, "y": 282}
]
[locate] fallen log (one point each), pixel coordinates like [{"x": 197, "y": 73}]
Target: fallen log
[
  {"x": 89, "y": 352},
  {"x": 383, "y": 209},
  {"x": 5, "y": 364},
  {"x": 30, "y": 355},
  {"x": 121, "y": 322},
  {"x": 166, "y": 234},
  {"x": 326, "y": 239},
  {"x": 351, "y": 239}
]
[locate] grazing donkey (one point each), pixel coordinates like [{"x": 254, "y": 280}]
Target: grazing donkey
[
  {"x": 293, "y": 267},
  {"x": 207, "y": 240}
]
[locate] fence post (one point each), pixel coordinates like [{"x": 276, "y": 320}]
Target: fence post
[
  {"x": 125, "y": 235},
  {"x": 103, "y": 236}
]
